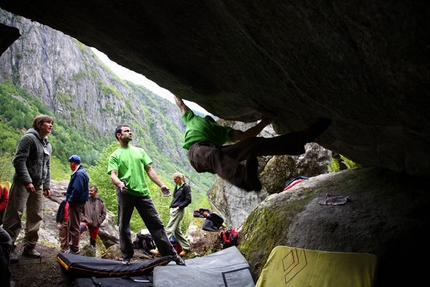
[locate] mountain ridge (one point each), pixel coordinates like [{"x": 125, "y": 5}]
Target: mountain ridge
[{"x": 70, "y": 80}]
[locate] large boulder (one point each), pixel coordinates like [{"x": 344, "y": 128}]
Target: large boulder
[
  {"x": 364, "y": 63},
  {"x": 386, "y": 216}
]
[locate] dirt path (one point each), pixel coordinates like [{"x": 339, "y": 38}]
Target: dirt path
[{"x": 45, "y": 271}]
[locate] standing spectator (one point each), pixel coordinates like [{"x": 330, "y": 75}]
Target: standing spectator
[
  {"x": 127, "y": 167},
  {"x": 94, "y": 215},
  {"x": 63, "y": 225},
  {"x": 181, "y": 199},
  {"x": 31, "y": 181},
  {"x": 4, "y": 198},
  {"x": 76, "y": 195}
]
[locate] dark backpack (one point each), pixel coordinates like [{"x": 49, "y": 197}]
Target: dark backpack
[
  {"x": 60, "y": 212},
  {"x": 213, "y": 223},
  {"x": 144, "y": 242},
  {"x": 229, "y": 237}
]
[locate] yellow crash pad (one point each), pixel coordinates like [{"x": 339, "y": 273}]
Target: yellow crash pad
[{"x": 297, "y": 267}]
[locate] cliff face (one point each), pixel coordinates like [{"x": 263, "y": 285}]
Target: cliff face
[
  {"x": 363, "y": 64},
  {"x": 70, "y": 80}
]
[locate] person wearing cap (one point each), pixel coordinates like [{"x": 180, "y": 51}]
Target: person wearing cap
[
  {"x": 31, "y": 181},
  {"x": 127, "y": 167},
  {"x": 77, "y": 195}
]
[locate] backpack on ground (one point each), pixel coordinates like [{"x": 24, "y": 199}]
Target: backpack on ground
[
  {"x": 229, "y": 237},
  {"x": 213, "y": 221},
  {"x": 144, "y": 242}
]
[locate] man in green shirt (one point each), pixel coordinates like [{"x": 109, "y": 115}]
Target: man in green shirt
[
  {"x": 127, "y": 167},
  {"x": 207, "y": 152}
]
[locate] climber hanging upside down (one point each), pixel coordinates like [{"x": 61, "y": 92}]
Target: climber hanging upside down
[{"x": 205, "y": 140}]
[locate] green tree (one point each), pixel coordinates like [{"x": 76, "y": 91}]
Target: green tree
[
  {"x": 6, "y": 167},
  {"x": 99, "y": 176},
  {"x": 59, "y": 170}
]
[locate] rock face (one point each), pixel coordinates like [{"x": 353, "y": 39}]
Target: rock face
[
  {"x": 235, "y": 204},
  {"x": 363, "y": 64},
  {"x": 386, "y": 216},
  {"x": 7, "y": 36}
]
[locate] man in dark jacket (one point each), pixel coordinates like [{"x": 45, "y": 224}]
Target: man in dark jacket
[
  {"x": 94, "y": 215},
  {"x": 76, "y": 195},
  {"x": 31, "y": 181}
]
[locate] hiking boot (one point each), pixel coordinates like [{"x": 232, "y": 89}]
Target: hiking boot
[
  {"x": 178, "y": 260},
  {"x": 154, "y": 252},
  {"x": 74, "y": 252},
  {"x": 251, "y": 174},
  {"x": 184, "y": 252},
  {"x": 317, "y": 128},
  {"x": 30, "y": 252},
  {"x": 126, "y": 261}
]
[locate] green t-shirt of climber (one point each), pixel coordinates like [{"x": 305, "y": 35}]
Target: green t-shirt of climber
[
  {"x": 130, "y": 163},
  {"x": 199, "y": 129}
]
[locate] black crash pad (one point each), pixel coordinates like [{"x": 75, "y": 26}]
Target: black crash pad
[
  {"x": 126, "y": 281},
  {"x": 82, "y": 266}
]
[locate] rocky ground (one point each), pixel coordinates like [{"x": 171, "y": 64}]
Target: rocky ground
[{"x": 45, "y": 271}]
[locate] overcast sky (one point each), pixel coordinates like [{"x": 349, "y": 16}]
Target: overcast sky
[{"x": 139, "y": 79}]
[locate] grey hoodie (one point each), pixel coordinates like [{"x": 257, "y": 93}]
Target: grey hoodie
[{"x": 32, "y": 160}]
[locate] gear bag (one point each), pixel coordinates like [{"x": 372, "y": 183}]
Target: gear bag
[{"x": 229, "y": 237}]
